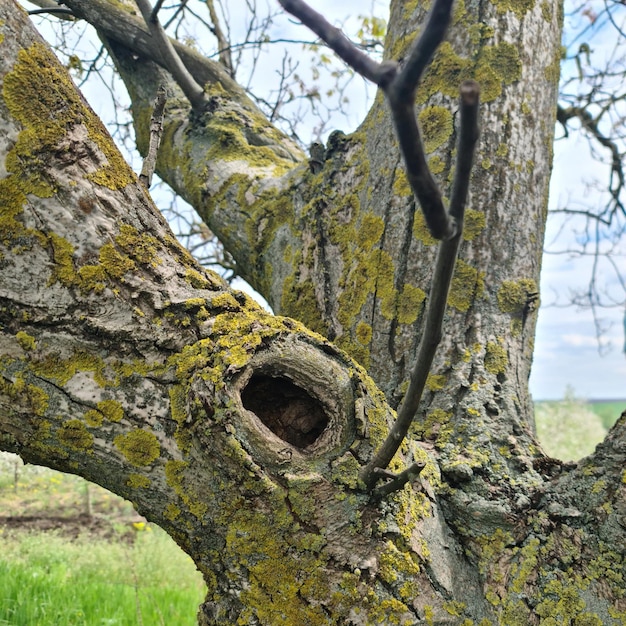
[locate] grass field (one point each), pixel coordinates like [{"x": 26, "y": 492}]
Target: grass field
[
  {"x": 608, "y": 411},
  {"x": 101, "y": 565},
  {"x": 103, "y": 568}
]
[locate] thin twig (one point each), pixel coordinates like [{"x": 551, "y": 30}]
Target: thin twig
[
  {"x": 398, "y": 480},
  {"x": 444, "y": 268},
  {"x": 54, "y": 10},
  {"x": 335, "y": 39},
  {"x": 156, "y": 130},
  {"x": 400, "y": 86},
  {"x": 222, "y": 42},
  {"x": 155, "y": 11},
  {"x": 405, "y": 84},
  {"x": 401, "y": 95},
  {"x": 193, "y": 91}
]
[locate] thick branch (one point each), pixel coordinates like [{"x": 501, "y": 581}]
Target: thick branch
[{"x": 115, "y": 24}]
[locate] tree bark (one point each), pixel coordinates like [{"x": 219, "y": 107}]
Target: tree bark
[{"x": 242, "y": 434}]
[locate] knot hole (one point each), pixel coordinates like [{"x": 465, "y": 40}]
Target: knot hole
[{"x": 286, "y": 409}]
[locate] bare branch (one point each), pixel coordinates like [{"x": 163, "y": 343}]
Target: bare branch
[
  {"x": 405, "y": 84},
  {"x": 334, "y": 38},
  {"x": 156, "y": 130},
  {"x": 222, "y": 42},
  {"x": 175, "y": 66},
  {"x": 444, "y": 269},
  {"x": 155, "y": 11},
  {"x": 60, "y": 11},
  {"x": 398, "y": 481}
]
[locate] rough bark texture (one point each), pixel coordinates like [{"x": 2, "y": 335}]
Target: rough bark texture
[{"x": 241, "y": 433}]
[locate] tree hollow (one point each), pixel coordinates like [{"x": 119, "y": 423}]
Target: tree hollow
[{"x": 286, "y": 409}]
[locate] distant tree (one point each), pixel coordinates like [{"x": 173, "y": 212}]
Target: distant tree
[{"x": 261, "y": 447}]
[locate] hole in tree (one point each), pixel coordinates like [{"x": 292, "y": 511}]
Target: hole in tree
[{"x": 287, "y": 410}]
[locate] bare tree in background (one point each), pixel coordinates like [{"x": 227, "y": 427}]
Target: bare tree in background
[{"x": 270, "y": 447}]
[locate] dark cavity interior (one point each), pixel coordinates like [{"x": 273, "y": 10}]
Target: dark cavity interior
[{"x": 287, "y": 410}]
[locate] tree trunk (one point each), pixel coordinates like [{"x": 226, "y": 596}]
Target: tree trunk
[{"x": 242, "y": 434}]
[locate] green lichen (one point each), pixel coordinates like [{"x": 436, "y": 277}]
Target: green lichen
[
  {"x": 496, "y": 358},
  {"x": 142, "y": 247},
  {"x": 420, "y": 230},
  {"x": 139, "y": 447},
  {"x": 514, "y": 295},
  {"x": 370, "y": 231},
  {"x": 519, "y": 7},
  {"x": 345, "y": 471},
  {"x": 199, "y": 281},
  {"x": 401, "y": 186},
  {"x": 397, "y": 565},
  {"x": 474, "y": 224},
  {"x": 226, "y": 302},
  {"x": 40, "y": 95},
  {"x": 497, "y": 66},
  {"x": 435, "y": 427},
  {"x": 363, "y": 333},
  {"x": 436, "y": 125},
  {"x": 25, "y": 393},
  {"x": 26, "y": 341},
  {"x": 171, "y": 512},
  {"x": 175, "y": 477},
  {"x": 436, "y": 382},
  {"x": 410, "y": 304},
  {"x": 552, "y": 71},
  {"x": 467, "y": 285},
  {"x": 436, "y": 164},
  {"x": 73, "y": 434},
  {"x": 110, "y": 410},
  {"x": 446, "y": 72},
  {"x": 138, "y": 481},
  {"x": 114, "y": 262},
  {"x": 61, "y": 370}
]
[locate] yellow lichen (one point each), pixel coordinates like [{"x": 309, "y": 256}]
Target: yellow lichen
[
  {"x": 514, "y": 295},
  {"x": 436, "y": 125},
  {"x": 40, "y": 95},
  {"x": 138, "y": 481},
  {"x": 26, "y": 341},
  {"x": 496, "y": 358},
  {"x": 364, "y": 333},
  {"x": 467, "y": 285},
  {"x": 474, "y": 224},
  {"x": 140, "y": 447},
  {"x": 73, "y": 434}
]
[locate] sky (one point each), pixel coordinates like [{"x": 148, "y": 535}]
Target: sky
[{"x": 568, "y": 354}]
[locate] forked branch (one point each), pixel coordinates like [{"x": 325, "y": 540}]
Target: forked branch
[
  {"x": 400, "y": 86},
  {"x": 444, "y": 268},
  {"x": 193, "y": 91}
]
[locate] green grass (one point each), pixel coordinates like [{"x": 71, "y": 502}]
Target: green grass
[
  {"x": 570, "y": 429},
  {"x": 122, "y": 574},
  {"x": 608, "y": 411},
  {"x": 46, "y": 579}
]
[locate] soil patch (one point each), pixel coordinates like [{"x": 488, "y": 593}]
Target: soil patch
[{"x": 72, "y": 527}]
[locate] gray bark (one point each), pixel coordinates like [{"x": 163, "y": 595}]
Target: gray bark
[{"x": 242, "y": 434}]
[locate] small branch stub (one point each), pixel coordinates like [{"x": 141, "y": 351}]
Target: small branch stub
[{"x": 156, "y": 130}]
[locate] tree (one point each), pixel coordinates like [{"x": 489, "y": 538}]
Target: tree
[{"x": 247, "y": 436}]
